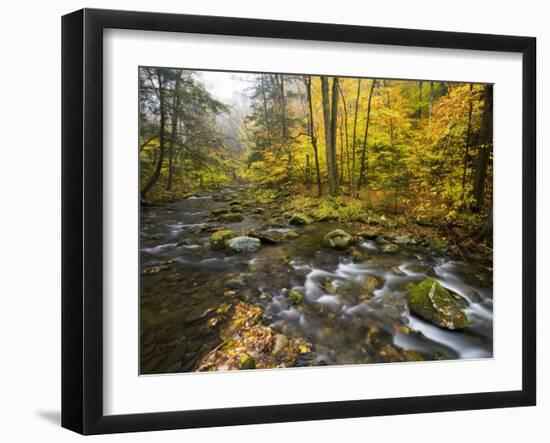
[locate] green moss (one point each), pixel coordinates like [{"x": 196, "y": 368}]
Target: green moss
[
  {"x": 290, "y": 235},
  {"x": 218, "y": 238},
  {"x": 299, "y": 220},
  {"x": 247, "y": 362},
  {"x": 231, "y": 218},
  {"x": 295, "y": 297},
  {"x": 432, "y": 302}
]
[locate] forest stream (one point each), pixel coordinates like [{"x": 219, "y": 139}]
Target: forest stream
[{"x": 352, "y": 307}]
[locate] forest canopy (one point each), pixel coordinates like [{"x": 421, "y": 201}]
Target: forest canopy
[{"x": 415, "y": 147}]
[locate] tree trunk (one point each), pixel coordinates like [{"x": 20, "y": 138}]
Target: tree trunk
[
  {"x": 330, "y": 114},
  {"x": 485, "y": 148},
  {"x": 353, "y": 144},
  {"x": 313, "y": 137},
  {"x": 156, "y": 174},
  {"x": 487, "y": 229},
  {"x": 467, "y": 147},
  {"x": 174, "y": 127},
  {"x": 334, "y": 119},
  {"x": 344, "y": 125},
  {"x": 364, "y": 155},
  {"x": 420, "y": 99}
]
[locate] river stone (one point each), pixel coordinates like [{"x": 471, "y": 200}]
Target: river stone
[
  {"x": 370, "y": 284},
  {"x": 231, "y": 218},
  {"x": 389, "y": 247},
  {"x": 290, "y": 235},
  {"x": 360, "y": 254},
  {"x": 263, "y": 237},
  {"x": 295, "y": 297},
  {"x": 370, "y": 232},
  {"x": 218, "y": 239},
  {"x": 298, "y": 220},
  {"x": 236, "y": 208},
  {"x": 280, "y": 343},
  {"x": 219, "y": 211},
  {"x": 247, "y": 362},
  {"x": 338, "y": 239},
  {"x": 432, "y": 302},
  {"x": 243, "y": 244},
  {"x": 404, "y": 240}
]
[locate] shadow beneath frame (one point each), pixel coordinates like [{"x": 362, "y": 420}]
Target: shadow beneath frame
[{"x": 53, "y": 417}]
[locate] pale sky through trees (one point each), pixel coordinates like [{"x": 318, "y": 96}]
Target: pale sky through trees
[{"x": 223, "y": 85}]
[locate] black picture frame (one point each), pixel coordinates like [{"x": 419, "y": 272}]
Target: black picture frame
[{"x": 82, "y": 219}]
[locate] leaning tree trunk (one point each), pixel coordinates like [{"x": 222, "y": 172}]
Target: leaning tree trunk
[
  {"x": 156, "y": 174},
  {"x": 485, "y": 148}
]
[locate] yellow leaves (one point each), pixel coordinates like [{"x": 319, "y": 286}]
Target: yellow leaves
[{"x": 303, "y": 349}]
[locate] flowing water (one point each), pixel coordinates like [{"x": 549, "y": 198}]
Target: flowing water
[{"x": 182, "y": 278}]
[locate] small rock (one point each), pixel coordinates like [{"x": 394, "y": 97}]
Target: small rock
[
  {"x": 219, "y": 211},
  {"x": 299, "y": 220},
  {"x": 370, "y": 232},
  {"x": 404, "y": 240},
  {"x": 367, "y": 290},
  {"x": 231, "y": 218},
  {"x": 338, "y": 239},
  {"x": 263, "y": 237},
  {"x": 243, "y": 244},
  {"x": 290, "y": 235},
  {"x": 281, "y": 342},
  {"x": 247, "y": 362},
  {"x": 389, "y": 247},
  {"x": 295, "y": 297},
  {"x": 236, "y": 208}
]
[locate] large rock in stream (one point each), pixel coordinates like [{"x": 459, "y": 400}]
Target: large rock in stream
[
  {"x": 243, "y": 244},
  {"x": 338, "y": 239},
  {"x": 432, "y": 302}
]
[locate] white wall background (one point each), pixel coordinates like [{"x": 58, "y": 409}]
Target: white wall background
[{"x": 30, "y": 219}]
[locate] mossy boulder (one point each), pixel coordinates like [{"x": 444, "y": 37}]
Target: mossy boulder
[
  {"x": 219, "y": 211},
  {"x": 247, "y": 362},
  {"x": 388, "y": 247},
  {"x": 243, "y": 244},
  {"x": 432, "y": 302},
  {"x": 338, "y": 239},
  {"x": 236, "y": 208},
  {"x": 218, "y": 239},
  {"x": 231, "y": 218},
  {"x": 299, "y": 220}
]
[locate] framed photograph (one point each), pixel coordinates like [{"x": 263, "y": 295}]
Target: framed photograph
[{"x": 269, "y": 221}]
